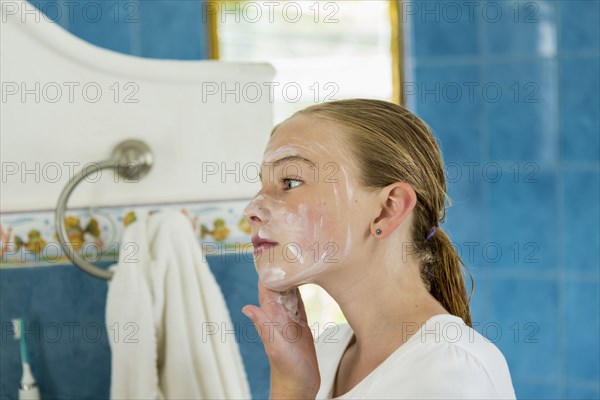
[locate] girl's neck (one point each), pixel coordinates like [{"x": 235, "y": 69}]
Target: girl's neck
[
  {"x": 383, "y": 308},
  {"x": 384, "y": 313}
]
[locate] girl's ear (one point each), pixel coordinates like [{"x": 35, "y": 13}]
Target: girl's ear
[{"x": 397, "y": 201}]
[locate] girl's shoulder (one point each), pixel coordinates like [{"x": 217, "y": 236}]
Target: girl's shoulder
[
  {"x": 448, "y": 335},
  {"x": 455, "y": 359}
]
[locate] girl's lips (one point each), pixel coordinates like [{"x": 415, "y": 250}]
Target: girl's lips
[
  {"x": 256, "y": 240},
  {"x": 263, "y": 246}
]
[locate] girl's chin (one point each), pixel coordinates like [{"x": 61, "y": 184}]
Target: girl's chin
[
  {"x": 276, "y": 279},
  {"x": 284, "y": 285},
  {"x": 282, "y": 277}
]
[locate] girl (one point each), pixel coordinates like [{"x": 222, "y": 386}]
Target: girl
[{"x": 352, "y": 195}]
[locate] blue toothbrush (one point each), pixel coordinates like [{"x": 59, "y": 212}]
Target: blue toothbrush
[{"x": 28, "y": 389}]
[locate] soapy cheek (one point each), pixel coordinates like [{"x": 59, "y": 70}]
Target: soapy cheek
[
  {"x": 306, "y": 248},
  {"x": 313, "y": 234},
  {"x": 322, "y": 240}
]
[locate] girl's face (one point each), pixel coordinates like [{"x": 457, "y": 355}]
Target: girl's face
[{"x": 306, "y": 216}]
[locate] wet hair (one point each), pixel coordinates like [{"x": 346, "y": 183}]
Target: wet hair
[{"x": 391, "y": 144}]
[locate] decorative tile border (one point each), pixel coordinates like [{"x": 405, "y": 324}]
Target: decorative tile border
[{"x": 29, "y": 239}]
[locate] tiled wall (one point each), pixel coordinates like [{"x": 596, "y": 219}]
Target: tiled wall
[
  {"x": 68, "y": 339},
  {"x": 170, "y": 29},
  {"x": 512, "y": 91}
]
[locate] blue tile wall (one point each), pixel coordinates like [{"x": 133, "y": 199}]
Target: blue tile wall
[
  {"x": 583, "y": 330},
  {"x": 63, "y": 309},
  {"x": 581, "y": 210},
  {"x": 105, "y": 23},
  {"x": 441, "y": 29},
  {"x": 52, "y": 301},
  {"x": 443, "y": 97},
  {"x": 523, "y": 224},
  {"x": 519, "y": 27},
  {"x": 180, "y": 33},
  {"x": 542, "y": 391},
  {"x": 585, "y": 392},
  {"x": 148, "y": 28},
  {"x": 580, "y": 25},
  {"x": 521, "y": 102},
  {"x": 543, "y": 134},
  {"x": 579, "y": 105},
  {"x": 523, "y": 322}
]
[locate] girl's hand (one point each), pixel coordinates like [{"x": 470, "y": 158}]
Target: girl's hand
[{"x": 283, "y": 328}]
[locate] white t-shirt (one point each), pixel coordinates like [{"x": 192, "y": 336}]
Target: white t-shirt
[{"x": 444, "y": 359}]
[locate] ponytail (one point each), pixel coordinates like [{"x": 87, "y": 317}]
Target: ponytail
[{"x": 445, "y": 278}]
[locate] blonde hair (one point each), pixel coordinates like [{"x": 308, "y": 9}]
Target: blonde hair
[{"x": 393, "y": 145}]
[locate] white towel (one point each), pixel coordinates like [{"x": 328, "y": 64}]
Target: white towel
[{"x": 162, "y": 311}]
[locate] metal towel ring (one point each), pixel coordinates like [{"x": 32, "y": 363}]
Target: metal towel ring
[{"x": 132, "y": 159}]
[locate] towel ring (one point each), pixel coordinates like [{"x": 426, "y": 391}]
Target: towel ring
[{"x": 132, "y": 159}]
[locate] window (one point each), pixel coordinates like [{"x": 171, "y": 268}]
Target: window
[{"x": 321, "y": 50}]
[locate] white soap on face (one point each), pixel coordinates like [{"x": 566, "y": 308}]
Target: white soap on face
[{"x": 313, "y": 218}]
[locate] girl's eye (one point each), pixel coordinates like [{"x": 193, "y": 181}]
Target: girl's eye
[{"x": 289, "y": 183}]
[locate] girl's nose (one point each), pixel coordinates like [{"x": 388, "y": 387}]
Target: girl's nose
[{"x": 255, "y": 212}]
